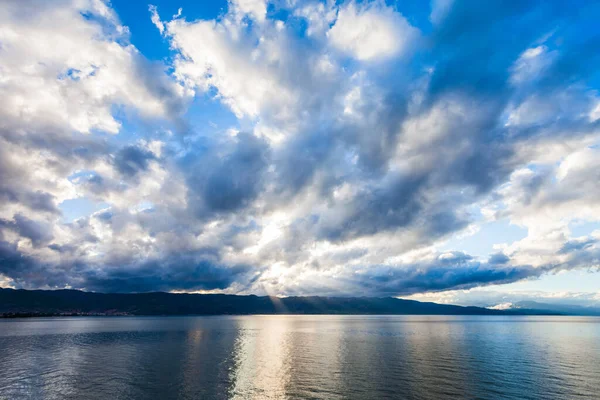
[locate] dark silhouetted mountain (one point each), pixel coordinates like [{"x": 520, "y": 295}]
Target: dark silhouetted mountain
[{"x": 74, "y": 302}]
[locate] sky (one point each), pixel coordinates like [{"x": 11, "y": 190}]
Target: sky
[{"x": 443, "y": 151}]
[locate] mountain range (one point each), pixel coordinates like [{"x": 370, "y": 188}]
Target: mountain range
[
  {"x": 24, "y": 303},
  {"x": 555, "y": 308}
]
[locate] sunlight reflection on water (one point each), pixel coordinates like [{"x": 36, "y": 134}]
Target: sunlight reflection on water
[{"x": 319, "y": 357}]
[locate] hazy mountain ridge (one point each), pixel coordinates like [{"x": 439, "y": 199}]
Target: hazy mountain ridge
[
  {"x": 565, "y": 309},
  {"x": 73, "y": 302}
]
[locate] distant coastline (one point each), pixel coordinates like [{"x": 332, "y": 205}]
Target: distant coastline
[
  {"x": 66, "y": 303},
  {"x": 10, "y": 315}
]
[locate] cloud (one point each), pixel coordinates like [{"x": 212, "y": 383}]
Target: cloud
[
  {"x": 131, "y": 159},
  {"x": 447, "y": 271},
  {"x": 255, "y": 8},
  {"x": 577, "y": 244},
  {"x": 394, "y": 205},
  {"x": 371, "y": 31},
  {"x": 54, "y": 58},
  {"x": 439, "y": 10},
  {"x": 226, "y": 180},
  {"x": 364, "y": 141},
  {"x": 214, "y": 55},
  {"x": 505, "y": 299},
  {"x": 37, "y": 232},
  {"x": 498, "y": 258},
  {"x": 149, "y": 275},
  {"x": 155, "y": 18},
  {"x": 178, "y": 273}
]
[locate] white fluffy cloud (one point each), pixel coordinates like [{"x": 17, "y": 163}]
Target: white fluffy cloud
[
  {"x": 256, "y": 8},
  {"x": 371, "y": 32},
  {"x": 60, "y": 69}
]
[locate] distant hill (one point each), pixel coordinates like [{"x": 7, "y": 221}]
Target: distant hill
[
  {"x": 23, "y": 303},
  {"x": 563, "y": 309}
]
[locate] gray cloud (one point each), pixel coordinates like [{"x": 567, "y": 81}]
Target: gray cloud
[
  {"x": 131, "y": 159},
  {"x": 224, "y": 182},
  {"x": 13, "y": 190},
  {"x": 38, "y": 233},
  {"x": 174, "y": 273},
  {"x": 434, "y": 278},
  {"x": 178, "y": 272},
  {"x": 377, "y": 209},
  {"x": 575, "y": 245}
]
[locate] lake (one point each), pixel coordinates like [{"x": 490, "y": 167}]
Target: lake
[{"x": 300, "y": 357}]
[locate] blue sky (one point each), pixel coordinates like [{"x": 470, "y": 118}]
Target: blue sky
[{"x": 445, "y": 151}]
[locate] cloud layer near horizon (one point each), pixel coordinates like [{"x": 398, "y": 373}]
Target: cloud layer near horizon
[{"x": 367, "y": 139}]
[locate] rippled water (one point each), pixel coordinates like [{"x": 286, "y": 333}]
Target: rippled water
[{"x": 301, "y": 357}]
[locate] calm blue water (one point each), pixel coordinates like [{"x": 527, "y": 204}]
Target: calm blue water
[{"x": 300, "y": 357}]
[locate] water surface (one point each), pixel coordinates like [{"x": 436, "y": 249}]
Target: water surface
[{"x": 300, "y": 357}]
